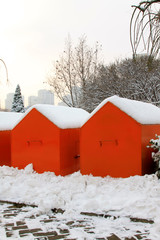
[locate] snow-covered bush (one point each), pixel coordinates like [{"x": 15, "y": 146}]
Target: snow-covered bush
[{"x": 155, "y": 144}]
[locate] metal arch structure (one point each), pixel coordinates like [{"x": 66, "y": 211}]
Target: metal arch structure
[
  {"x": 5, "y": 69},
  {"x": 145, "y": 28}
]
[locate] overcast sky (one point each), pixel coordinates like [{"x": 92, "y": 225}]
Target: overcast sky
[{"x": 33, "y": 34}]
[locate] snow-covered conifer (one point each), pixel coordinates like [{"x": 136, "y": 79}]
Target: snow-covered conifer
[{"x": 17, "y": 104}]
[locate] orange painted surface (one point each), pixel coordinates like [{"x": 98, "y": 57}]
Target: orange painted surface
[
  {"x": 69, "y": 151},
  {"x": 37, "y": 140},
  {"x": 5, "y": 148},
  {"x": 110, "y": 144},
  {"x": 148, "y": 132}
]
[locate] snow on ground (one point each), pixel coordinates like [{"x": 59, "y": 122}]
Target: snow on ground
[
  {"x": 78, "y": 226},
  {"x": 137, "y": 196}
]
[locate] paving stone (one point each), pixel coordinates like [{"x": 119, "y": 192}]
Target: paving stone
[
  {"x": 19, "y": 227},
  {"x": 70, "y": 223},
  {"x": 24, "y": 235},
  {"x": 100, "y": 238},
  {"x": 131, "y": 238},
  {"x": 32, "y": 217},
  {"x": 34, "y": 230},
  {"x": 53, "y": 233},
  {"x": 70, "y": 238},
  {"x": 19, "y": 205},
  {"x": 6, "y": 211},
  {"x": 12, "y": 207},
  {"x": 78, "y": 225},
  {"x": 87, "y": 229},
  {"x": 113, "y": 237},
  {"x": 64, "y": 231},
  {"x": 9, "y": 215},
  {"x": 18, "y": 223},
  {"x": 81, "y": 221},
  {"x": 9, "y": 234},
  {"x": 46, "y": 220},
  {"x": 13, "y": 212},
  {"x": 91, "y": 214},
  {"x": 52, "y": 217},
  {"x": 141, "y": 220},
  {"x": 25, "y": 211},
  {"x": 91, "y": 232},
  {"x": 57, "y": 237},
  {"x": 41, "y": 238},
  {"x": 57, "y": 210},
  {"x": 9, "y": 225},
  {"x": 139, "y": 236}
]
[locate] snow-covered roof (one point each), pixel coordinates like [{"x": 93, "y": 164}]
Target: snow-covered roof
[
  {"x": 144, "y": 113},
  {"x": 62, "y": 117},
  {"x": 8, "y": 120}
]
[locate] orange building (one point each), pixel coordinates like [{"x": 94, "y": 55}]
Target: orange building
[
  {"x": 114, "y": 138},
  {"x": 48, "y": 137},
  {"x": 7, "y": 121}
]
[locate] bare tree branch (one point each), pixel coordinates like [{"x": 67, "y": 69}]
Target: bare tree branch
[
  {"x": 145, "y": 28},
  {"x": 76, "y": 66}
]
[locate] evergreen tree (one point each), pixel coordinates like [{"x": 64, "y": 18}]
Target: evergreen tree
[{"x": 17, "y": 104}]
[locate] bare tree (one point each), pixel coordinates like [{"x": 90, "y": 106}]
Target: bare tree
[
  {"x": 140, "y": 82},
  {"x": 70, "y": 74},
  {"x": 145, "y": 28},
  {"x": 126, "y": 78}
]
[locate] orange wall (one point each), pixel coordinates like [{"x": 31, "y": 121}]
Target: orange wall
[
  {"x": 36, "y": 140},
  {"x": 5, "y": 148},
  {"x": 148, "y": 132},
  {"x": 110, "y": 144},
  {"x": 69, "y": 145}
]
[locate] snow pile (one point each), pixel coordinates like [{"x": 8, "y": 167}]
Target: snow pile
[
  {"x": 138, "y": 196},
  {"x": 155, "y": 143},
  {"x": 62, "y": 117},
  {"x": 144, "y": 113},
  {"x": 8, "y": 120}
]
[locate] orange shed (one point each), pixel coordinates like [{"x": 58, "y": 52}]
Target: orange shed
[
  {"x": 48, "y": 137},
  {"x": 7, "y": 121},
  {"x": 114, "y": 138}
]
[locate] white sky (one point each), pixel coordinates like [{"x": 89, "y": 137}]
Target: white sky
[{"x": 33, "y": 34}]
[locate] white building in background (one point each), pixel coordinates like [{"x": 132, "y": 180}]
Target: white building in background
[
  {"x": 32, "y": 100},
  {"x": 44, "y": 97},
  {"x": 9, "y": 100}
]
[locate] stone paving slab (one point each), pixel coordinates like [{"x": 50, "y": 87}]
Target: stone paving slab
[{"x": 19, "y": 221}]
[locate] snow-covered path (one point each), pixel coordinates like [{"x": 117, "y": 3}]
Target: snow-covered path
[
  {"x": 28, "y": 223},
  {"x": 136, "y": 196}
]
